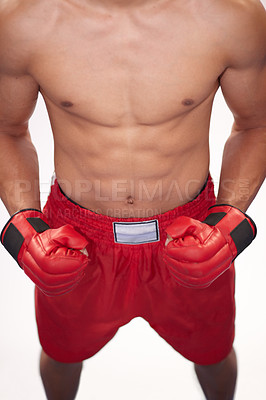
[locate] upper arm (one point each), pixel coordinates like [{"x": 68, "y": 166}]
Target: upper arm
[
  {"x": 244, "y": 81},
  {"x": 18, "y": 96},
  {"x": 18, "y": 90}
]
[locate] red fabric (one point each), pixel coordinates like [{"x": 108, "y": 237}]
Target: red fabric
[{"x": 127, "y": 281}]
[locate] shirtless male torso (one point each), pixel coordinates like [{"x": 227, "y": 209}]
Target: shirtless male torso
[{"x": 129, "y": 88}]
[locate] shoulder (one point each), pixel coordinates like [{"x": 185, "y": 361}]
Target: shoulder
[
  {"x": 20, "y": 11},
  {"x": 9, "y": 8},
  {"x": 245, "y": 15},
  {"x": 240, "y": 8},
  {"x": 242, "y": 25},
  {"x": 22, "y": 25}
]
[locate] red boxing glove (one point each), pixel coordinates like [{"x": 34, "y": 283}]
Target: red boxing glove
[
  {"x": 201, "y": 251},
  {"x": 51, "y": 258}
]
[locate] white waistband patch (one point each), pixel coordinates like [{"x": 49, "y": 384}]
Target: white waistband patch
[{"x": 136, "y": 232}]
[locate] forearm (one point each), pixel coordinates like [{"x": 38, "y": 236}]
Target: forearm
[
  {"x": 243, "y": 167},
  {"x": 19, "y": 173}
]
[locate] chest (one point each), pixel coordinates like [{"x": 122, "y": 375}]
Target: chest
[{"x": 149, "y": 70}]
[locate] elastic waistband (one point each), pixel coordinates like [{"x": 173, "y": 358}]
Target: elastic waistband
[{"x": 60, "y": 210}]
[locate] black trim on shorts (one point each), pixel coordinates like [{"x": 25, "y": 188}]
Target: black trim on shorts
[{"x": 77, "y": 204}]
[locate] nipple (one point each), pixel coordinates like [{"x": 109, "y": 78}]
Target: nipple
[
  {"x": 66, "y": 104},
  {"x": 188, "y": 102}
]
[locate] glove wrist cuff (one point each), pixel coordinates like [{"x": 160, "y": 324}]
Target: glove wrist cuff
[
  {"x": 226, "y": 209},
  {"x": 13, "y": 216},
  {"x": 21, "y": 226},
  {"x": 236, "y": 226}
]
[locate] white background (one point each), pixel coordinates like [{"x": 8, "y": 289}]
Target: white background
[{"x": 137, "y": 363}]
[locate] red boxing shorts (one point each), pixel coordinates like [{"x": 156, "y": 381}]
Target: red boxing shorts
[{"x": 128, "y": 278}]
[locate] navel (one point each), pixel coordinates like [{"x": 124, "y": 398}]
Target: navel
[
  {"x": 66, "y": 104},
  {"x": 130, "y": 200},
  {"x": 188, "y": 102}
]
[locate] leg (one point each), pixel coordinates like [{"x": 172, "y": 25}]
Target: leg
[
  {"x": 218, "y": 380},
  {"x": 60, "y": 380}
]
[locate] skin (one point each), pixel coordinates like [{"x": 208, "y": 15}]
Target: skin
[
  {"x": 131, "y": 122},
  {"x": 129, "y": 87}
]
